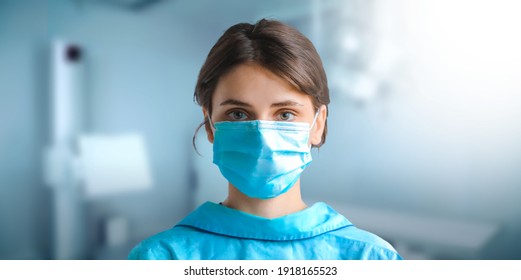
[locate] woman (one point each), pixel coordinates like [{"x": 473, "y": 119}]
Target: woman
[{"x": 264, "y": 96}]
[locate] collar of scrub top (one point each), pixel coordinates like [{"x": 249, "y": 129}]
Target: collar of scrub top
[{"x": 310, "y": 222}]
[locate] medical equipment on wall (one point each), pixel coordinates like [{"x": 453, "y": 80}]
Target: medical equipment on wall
[{"x": 79, "y": 165}]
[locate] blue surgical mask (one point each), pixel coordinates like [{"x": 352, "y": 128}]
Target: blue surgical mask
[{"x": 263, "y": 159}]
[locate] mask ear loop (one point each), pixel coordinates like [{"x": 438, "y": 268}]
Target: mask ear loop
[
  {"x": 211, "y": 124},
  {"x": 313, "y": 124},
  {"x": 315, "y": 119}
]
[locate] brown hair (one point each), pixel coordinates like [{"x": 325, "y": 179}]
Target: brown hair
[{"x": 273, "y": 45}]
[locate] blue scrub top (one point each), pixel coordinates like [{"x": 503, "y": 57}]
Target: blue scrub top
[{"x": 216, "y": 232}]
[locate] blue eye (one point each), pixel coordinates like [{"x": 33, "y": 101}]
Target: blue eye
[
  {"x": 237, "y": 116},
  {"x": 286, "y": 116}
]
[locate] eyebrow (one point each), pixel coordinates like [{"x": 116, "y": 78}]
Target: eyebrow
[
  {"x": 286, "y": 104},
  {"x": 234, "y": 102},
  {"x": 244, "y": 104}
]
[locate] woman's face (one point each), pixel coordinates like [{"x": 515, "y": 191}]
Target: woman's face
[{"x": 250, "y": 92}]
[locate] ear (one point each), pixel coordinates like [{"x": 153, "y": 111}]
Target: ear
[
  {"x": 318, "y": 129},
  {"x": 207, "y": 127}
]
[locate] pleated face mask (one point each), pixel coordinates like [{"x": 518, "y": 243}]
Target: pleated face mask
[{"x": 263, "y": 159}]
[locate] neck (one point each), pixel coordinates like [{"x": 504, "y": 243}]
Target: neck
[{"x": 284, "y": 204}]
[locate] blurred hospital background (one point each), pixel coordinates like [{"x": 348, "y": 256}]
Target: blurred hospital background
[{"x": 97, "y": 118}]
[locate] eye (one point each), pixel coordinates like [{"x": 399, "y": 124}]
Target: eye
[
  {"x": 237, "y": 115},
  {"x": 286, "y": 116}
]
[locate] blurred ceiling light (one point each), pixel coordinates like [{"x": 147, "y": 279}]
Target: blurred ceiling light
[
  {"x": 350, "y": 42},
  {"x": 364, "y": 87},
  {"x": 360, "y": 87}
]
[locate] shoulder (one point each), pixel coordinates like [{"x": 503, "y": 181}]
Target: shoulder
[
  {"x": 361, "y": 244},
  {"x": 165, "y": 245}
]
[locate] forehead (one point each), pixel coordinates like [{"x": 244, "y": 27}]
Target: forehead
[{"x": 256, "y": 85}]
